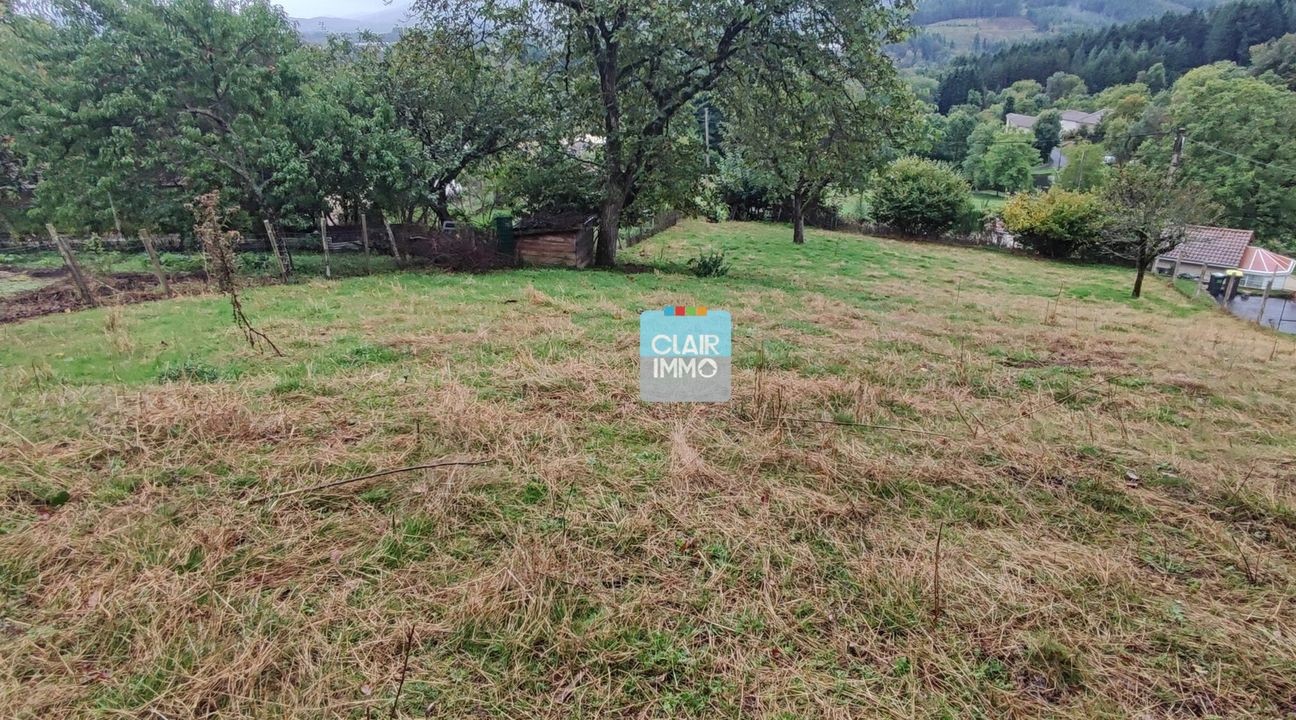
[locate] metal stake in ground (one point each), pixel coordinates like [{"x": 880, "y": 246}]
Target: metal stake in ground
[
  {"x": 147, "y": 238},
  {"x": 328, "y": 270},
  {"x": 73, "y": 267}
]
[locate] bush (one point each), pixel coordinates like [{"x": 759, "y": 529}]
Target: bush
[
  {"x": 710, "y": 264},
  {"x": 1054, "y": 224},
  {"x": 921, "y": 197}
]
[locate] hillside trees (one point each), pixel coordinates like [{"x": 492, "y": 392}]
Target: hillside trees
[
  {"x": 1277, "y": 56},
  {"x": 1109, "y": 56},
  {"x": 628, "y": 69},
  {"x": 1241, "y": 146}
]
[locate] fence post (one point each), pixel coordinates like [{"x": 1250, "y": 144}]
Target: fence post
[
  {"x": 328, "y": 269},
  {"x": 274, "y": 246},
  {"x": 364, "y": 234},
  {"x": 1264, "y": 300},
  {"x": 147, "y": 238},
  {"x": 70, "y": 260},
  {"x": 116, "y": 220},
  {"x": 391, "y": 238}
]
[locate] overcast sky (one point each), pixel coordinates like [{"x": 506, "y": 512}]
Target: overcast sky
[{"x": 332, "y": 8}]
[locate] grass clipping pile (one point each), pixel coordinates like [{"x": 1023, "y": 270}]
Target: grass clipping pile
[{"x": 1114, "y": 514}]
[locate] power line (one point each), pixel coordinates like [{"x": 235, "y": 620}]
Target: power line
[{"x": 1244, "y": 157}]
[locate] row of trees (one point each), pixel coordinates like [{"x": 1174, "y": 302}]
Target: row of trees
[
  {"x": 131, "y": 108},
  {"x": 136, "y": 107}
]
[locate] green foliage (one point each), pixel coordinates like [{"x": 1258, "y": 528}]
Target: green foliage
[
  {"x": 463, "y": 101},
  {"x": 1063, "y": 84},
  {"x": 1007, "y": 162},
  {"x": 921, "y": 197},
  {"x": 1277, "y": 56},
  {"x": 709, "y": 264},
  {"x": 825, "y": 135},
  {"x": 1109, "y": 56},
  {"x": 952, "y": 142},
  {"x": 152, "y": 103},
  {"x": 1085, "y": 169},
  {"x": 1241, "y": 147},
  {"x": 1054, "y": 224},
  {"x": 624, "y": 72},
  {"x": 189, "y": 370},
  {"x": 1048, "y": 133},
  {"x": 1146, "y": 214},
  {"x": 546, "y": 179}
]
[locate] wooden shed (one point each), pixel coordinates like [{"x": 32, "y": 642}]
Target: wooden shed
[{"x": 556, "y": 240}]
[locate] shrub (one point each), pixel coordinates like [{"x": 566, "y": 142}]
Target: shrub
[
  {"x": 189, "y": 370},
  {"x": 709, "y": 264},
  {"x": 1054, "y": 224},
  {"x": 921, "y": 197}
]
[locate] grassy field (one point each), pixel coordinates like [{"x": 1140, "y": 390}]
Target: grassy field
[
  {"x": 986, "y": 200},
  {"x": 1110, "y": 484},
  {"x": 963, "y": 33}
]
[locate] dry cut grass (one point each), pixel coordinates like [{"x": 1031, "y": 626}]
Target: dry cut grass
[{"x": 1111, "y": 484}]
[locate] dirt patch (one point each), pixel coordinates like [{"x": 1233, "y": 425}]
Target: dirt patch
[{"x": 116, "y": 289}]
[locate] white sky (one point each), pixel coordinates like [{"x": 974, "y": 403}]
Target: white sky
[{"x": 332, "y": 8}]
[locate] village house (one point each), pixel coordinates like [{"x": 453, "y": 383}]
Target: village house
[
  {"x": 1073, "y": 121},
  {"x": 1207, "y": 250}
]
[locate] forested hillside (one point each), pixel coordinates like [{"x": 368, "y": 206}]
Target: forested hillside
[
  {"x": 1114, "y": 55},
  {"x": 1049, "y": 14},
  {"x": 950, "y": 28}
]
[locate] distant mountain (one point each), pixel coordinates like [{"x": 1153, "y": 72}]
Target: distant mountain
[{"x": 384, "y": 22}]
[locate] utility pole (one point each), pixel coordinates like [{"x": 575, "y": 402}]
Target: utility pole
[{"x": 1176, "y": 159}]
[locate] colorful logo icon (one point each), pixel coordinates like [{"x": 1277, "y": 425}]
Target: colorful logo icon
[{"x": 685, "y": 355}]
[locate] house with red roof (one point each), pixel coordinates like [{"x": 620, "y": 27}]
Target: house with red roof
[{"x": 1206, "y": 250}]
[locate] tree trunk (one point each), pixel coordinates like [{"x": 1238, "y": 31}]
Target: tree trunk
[
  {"x": 1142, "y": 269},
  {"x": 605, "y": 245},
  {"x": 798, "y": 219},
  {"x": 441, "y": 206}
]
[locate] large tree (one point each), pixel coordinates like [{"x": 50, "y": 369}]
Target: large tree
[
  {"x": 144, "y": 104},
  {"x": 627, "y": 69},
  {"x": 1241, "y": 146},
  {"x": 805, "y": 132},
  {"x": 1148, "y": 209},
  {"x": 467, "y": 95}
]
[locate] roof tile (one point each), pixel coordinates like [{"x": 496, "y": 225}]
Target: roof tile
[{"x": 1217, "y": 247}]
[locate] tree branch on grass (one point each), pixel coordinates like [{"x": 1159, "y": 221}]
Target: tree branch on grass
[{"x": 371, "y": 476}]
